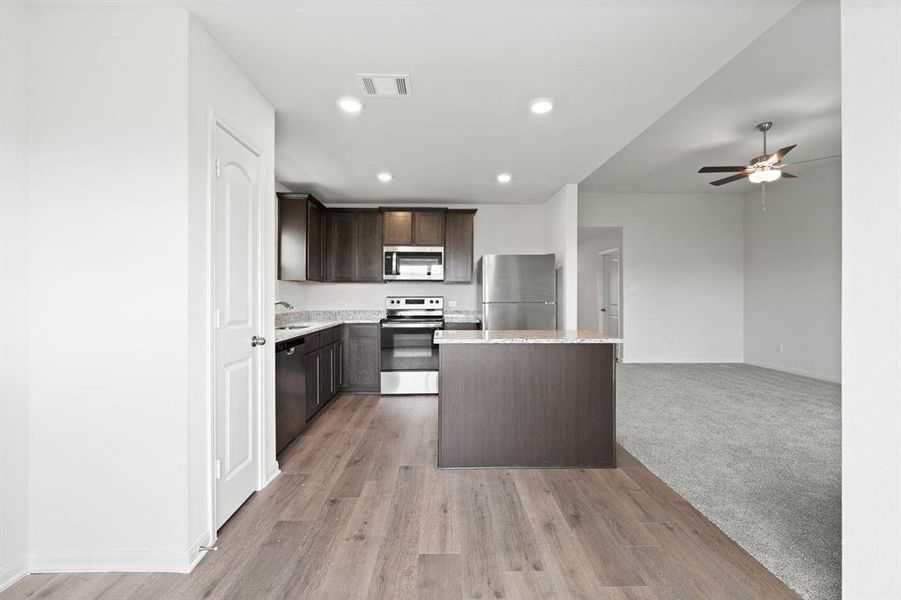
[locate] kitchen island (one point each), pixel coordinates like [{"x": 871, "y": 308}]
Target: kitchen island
[{"x": 526, "y": 399}]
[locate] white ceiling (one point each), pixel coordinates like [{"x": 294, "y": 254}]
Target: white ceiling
[
  {"x": 612, "y": 68},
  {"x": 790, "y": 75}
]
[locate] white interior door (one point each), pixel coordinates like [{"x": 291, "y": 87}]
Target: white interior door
[
  {"x": 236, "y": 197},
  {"x": 609, "y": 293}
]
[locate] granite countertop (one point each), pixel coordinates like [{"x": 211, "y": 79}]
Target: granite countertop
[
  {"x": 569, "y": 336},
  {"x": 323, "y": 319},
  {"x": 466, "y": 317}
]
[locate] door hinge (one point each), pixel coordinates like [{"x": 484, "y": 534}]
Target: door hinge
[
  {"x": 218, "y": 469},
  {"x": 217, "y": 318},
  {"x": 217, "y": 166}
]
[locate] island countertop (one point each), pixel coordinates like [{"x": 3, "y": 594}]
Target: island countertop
[{"x": 539, "y": 336}]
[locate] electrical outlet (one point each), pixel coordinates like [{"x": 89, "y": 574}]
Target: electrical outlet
[
  {"x": 779, "y": 348},
  {"x": 452, "y": 304}
]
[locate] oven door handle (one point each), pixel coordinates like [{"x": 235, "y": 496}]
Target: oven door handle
[{"x": 429, "y": 325}]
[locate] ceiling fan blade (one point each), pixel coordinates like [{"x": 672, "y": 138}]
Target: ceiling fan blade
[
  {"x": 789, "y": 175},
  {"x": 779, "y": 154},
  {"x": 810, "y": 160},
  {"x": 729, "y": 179},
  {"x": 721, "y": 169}
]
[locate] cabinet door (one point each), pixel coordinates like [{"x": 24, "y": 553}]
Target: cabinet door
[
  {"x": 398, "y": 228},
  {"x": 311, "y": 385},
  {"x": 368, "y": 246},
  {"x": 428, "y": 228},
  {"x": 458, "y": 253},
  {"x": 340, "y": 244},
  {"x": 292, "y": 238},
  {"x": 339, "y": 364},
  {"x": 361, "y": 356},
  {"x": 315, "y": 242},
  {"x": 326, "y": 362}
]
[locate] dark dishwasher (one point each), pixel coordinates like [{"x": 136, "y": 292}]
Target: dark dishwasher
[{"x": 290, "y": 391}]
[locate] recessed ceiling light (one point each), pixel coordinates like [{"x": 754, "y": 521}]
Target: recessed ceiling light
[
  {"x": 504, "y": 178},
  {"x": 542, "y": 106},
  {"x": 384, "y": 177},
  {"x": 350, "y": 105}
]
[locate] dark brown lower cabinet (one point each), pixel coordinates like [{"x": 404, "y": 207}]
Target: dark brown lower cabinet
[
  {"x": 311, "y": 386},
  {"x": 361, "y": 358}
]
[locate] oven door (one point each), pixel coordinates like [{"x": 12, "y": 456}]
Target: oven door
[
  {"x": 409, "y": 357},
  {"x": 412, "y": 263}
]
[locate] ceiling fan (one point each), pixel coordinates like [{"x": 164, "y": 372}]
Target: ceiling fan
[{"x": 765, "y": 168}]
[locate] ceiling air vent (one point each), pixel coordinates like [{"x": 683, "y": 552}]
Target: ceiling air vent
[{"x": 386, "y": 86}]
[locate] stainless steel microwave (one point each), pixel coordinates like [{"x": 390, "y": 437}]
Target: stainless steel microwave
[{"x": 413, "y": 263}]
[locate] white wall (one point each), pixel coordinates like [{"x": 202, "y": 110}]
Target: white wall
[
  {"x": 682, "y": 273},
  {"x": 561, "y": 216},
  {"x": 14, "y": 302},
  {"x": 593, "y": 241},
  {"x": 498, "y": 229},
  {"x": 108, "y": 265},
  {"x": 216, "y": 86},
  {"x": 792, "y": 266},
  {"x": 871, "y": 300}
]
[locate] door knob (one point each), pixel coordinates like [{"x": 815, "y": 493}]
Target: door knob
[{"x": 257, "y": 341}]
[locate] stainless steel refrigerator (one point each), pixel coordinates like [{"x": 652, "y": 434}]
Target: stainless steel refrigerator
[{"x": 517, "y": 291}]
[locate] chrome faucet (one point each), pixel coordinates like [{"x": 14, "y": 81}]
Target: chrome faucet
[{"x": 287, "y": 305}]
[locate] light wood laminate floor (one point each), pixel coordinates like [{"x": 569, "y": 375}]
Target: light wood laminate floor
[{"x": 360, "y": 511}]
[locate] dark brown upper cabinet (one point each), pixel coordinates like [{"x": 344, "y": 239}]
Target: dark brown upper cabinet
[
  {"x": 398, "y": 228},
  {"x": 414, "y": 227},
  {"x": 428, "y": 227},
  {"x": 353, "y": 244},
  {"x": 301, "y": 237},
  {"x": 458, "y": 242}
]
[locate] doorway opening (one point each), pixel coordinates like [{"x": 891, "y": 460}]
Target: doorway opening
[{"x": 600, "y": 304}]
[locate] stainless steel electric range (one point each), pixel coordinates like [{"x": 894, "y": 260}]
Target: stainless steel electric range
[{"x": 409, "y": 353}]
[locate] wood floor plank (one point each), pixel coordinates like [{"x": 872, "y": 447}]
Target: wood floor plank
[
  {"x": 360, "y": 511},
  {"x": 438, "y": 577},
  {"x": 611, "y": 561},
  {"x": 481, "y": 567},
  {"x": 309, "y": 563},
  {"x": 439, "y": 532},
  {"x": 513, "y": 530},
  {"x": 394, "y": 574},
  {"x": 351, "y": 559},
  {"x": 272, "y": 561},
  {"x": 532, "y": 585},
  {"x": 564, "y": 554}
]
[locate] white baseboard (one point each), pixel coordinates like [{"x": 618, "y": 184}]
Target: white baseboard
[
  {"x": 271, "y": 473},
  {"x": 12, "y": 571},
  {"x": 94, "y": 561},
  {"x": 792, "y": 371},
  {"x": 194, "y": 553}
]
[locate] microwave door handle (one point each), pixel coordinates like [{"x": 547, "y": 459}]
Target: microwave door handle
[{"x": 394, "y": 270}]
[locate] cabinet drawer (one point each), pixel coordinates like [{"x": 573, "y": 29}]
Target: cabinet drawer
[
  {"x": 329, "y": 336},
  {"x": 311, "y": 342}
]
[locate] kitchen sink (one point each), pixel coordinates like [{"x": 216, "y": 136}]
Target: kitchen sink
[{"x": 294, "y": 326}]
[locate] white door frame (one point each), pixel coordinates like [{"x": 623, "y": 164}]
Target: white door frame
[
  {"x": 600, "y": 292},
  {"x": 265, "y": 364}
]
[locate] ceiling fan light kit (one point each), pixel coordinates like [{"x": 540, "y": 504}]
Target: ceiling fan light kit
[{"x": 764, "y": 175}]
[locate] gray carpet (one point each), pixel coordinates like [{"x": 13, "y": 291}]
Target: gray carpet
[{"x": 756, "y": 451}]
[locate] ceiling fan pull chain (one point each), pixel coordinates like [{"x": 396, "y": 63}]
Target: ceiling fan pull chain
[{"x": 763, "y": 195}]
